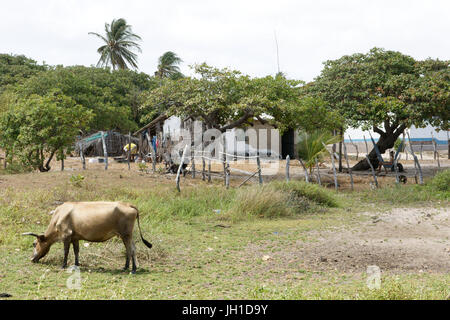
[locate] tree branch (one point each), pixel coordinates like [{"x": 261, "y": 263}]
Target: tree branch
[
  {"x": 238, "y": 122},
  {"x": 379, "y": 131}
]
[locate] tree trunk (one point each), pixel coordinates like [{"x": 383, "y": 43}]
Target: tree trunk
[
  {"x": 46, "y": 167},
  {"x": 386, "y": 141}
]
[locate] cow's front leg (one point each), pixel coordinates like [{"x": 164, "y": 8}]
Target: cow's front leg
[
  {"x": 76, "y": 250},
  {"x": 66, "y": 252}
]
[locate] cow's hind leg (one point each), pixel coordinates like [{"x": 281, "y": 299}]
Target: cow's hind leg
[
  {"x": 133, "y": 257},
  {"x": 127, "y": 241},
  {"x": 66, "y": 252},
  {"x": 76, "y": 250}
]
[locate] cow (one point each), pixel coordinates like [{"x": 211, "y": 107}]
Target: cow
[{"x": 90, "y": 221}]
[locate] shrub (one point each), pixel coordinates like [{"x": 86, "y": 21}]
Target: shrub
[
  {"x": 309, "y": 191},
  {"x": 278, "y": 199},
  {"x": 76, "y": 180},
  {"x": 441, "y": 181},
  {"x": 262, "y": 201}
]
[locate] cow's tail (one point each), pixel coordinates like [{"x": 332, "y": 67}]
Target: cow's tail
[{"x": 148, "y": 244}]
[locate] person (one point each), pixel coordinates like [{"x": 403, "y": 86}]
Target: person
[
  {"x": 391, "y": 161},
  {"x": 133, "y": 150}
]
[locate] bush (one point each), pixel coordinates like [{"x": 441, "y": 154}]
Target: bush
[
  {"x": 312, "y": 192},
  {"x": 15, "y": 167},
  {"x": 279, "y": 199},
  {"x": 264, "y": 201},
  {"x": 76, "y": 180},
  {"x": 441, "y": 181}
]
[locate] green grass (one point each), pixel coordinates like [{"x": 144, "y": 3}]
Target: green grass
[{"x": 193, "y": 256}]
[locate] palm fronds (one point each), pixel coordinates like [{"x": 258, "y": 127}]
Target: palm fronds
[
  {"x": 120, "y": 42},
  {"x": 310, "y": 147},
  {"x": 168, "y": 66}
]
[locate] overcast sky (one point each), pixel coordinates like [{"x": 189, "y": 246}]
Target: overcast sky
[{"x": 236, "y": 34}]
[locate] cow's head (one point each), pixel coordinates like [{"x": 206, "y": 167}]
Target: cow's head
[{"x": 41, "y": 246}]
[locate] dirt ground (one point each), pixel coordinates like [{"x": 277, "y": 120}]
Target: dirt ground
[
  {"x": 403, "y": 240},
  {"x": 240, "y": 170}
]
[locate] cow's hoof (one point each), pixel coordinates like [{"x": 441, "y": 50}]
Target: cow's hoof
[{"x": 133, "y": 271}]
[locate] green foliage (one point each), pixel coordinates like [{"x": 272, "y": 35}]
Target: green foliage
[
  {"x": 441, "y": 181},
  {"x": 113, "y": 97},
  {"x": 314, "y": 114},
  {"x": 310, "y": 147},
  {"x": 257, "y": 201},
  {"x": 386, "y": 88},
  {"x": 405, "y": 195},
  {"x": 37, "y": 126},
  {"x": 119, "y": 43},
  {"x": 397, "y": 143},
  {"x": 168, "y": 66},
  {"x": 142, "y": 166},
  {"x": 16, "y": 68},
  {"x": 279, "y": 199},
  {"x": 76, "y": 180},
  {"x": 312, "y": 192},
  {"x": 225, "y": 99}
]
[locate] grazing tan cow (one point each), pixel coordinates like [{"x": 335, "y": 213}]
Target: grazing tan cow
[{"x": 90, "y": 221}]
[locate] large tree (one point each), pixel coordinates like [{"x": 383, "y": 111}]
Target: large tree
[
  {"x": 15, "y": 69},
  {"x": 224, "y": 99},
  {"x": 113, "y": 96},
  {"x": 386, "y": 91},
  {"x": 120, "y": 42},
  {"x": 36, "y": 128}
]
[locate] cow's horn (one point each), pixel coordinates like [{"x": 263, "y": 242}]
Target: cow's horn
[{"x": 30, "y": 234}]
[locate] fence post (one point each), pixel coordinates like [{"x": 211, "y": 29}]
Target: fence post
[
  {"x": 203, "y": 168},
  {"x": 334, "y": 167},
  {"x": 227, "y": 176},
  {"x": 105, "y": 152},
  {"x": 177, "y": 179},
  {"x": 224, "y": 159},
  {"x": 436, "y": 153},
  {"x": 288, "y": 159},
  {"x": 356, "y": 147},
  {"x": 152, "y": 151},
  {"x": 258, "y": 162},
  {"x": 397, "y": 179},
  {"x": 373, "y": 171},
  {"x": 365, "y": 142},
  {"x": 209, "y": 170},
  {"x": 416, "y": 161},
  {"x": 83, "y": 160},
  {"x": 404, "y": 146},
  {"x": 348, "y": 166},
  {"x": 318, "y": 172},
  {"x": 129, "y": 150},
  {"x": 305, "y": 170},
  {"x": 193, "y": 162}
]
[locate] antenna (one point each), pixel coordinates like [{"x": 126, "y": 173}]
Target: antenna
[{"x": 278, "y": 57}]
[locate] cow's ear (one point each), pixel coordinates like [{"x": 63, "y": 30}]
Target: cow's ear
[{"x": 42, "y": 238}]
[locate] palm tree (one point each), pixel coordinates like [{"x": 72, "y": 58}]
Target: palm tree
[
  {"x": 310, "y": 147},
  {"x": 168, "y": 66},
  {"x": 119, "y": 43}
]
